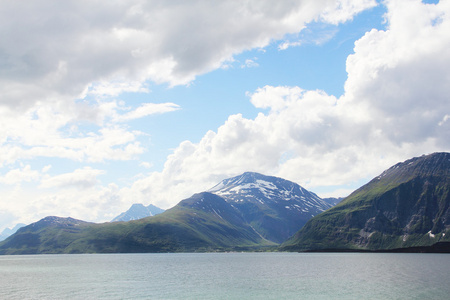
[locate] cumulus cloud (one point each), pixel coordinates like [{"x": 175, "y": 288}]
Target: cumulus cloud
[
  {"x": 344, "y": 10},
  {"x": 115, "y": 88},
  {"x": 50, "y": 52},
  {"x": 395, "y": 106},
  {"x": 81, "y": 178},
  {"x": 45, "y": 132},
  {"x": 17, "y": 176},
  {"x": 402, "y": 73},
  {"x": 53, "y": 55},
  {"x": 75, "y": 194}
]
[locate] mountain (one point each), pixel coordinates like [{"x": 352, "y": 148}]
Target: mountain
[
  {"x": 276, "y": 208},
  {"x": 332, "y": 200},
  {"x": 44, "y": 236},
  {"x": 405, "y": 206},
  {"x": 212, "y": 220},
  {"x": 7, "y": 231},
  {"x": 138, "y": 211},
  {"x": 204, "y": 222},
  {"x": 249, "y": 211}
]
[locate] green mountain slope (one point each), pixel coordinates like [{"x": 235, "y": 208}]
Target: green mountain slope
[
  {"x": 204, "y": 222},
  {"x": 406, "y": 206}
]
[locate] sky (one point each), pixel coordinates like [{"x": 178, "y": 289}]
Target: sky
[{"x": 108, "y": 103}]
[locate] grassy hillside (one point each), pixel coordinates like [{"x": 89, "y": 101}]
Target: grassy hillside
[{"x": 204, "y": 222}]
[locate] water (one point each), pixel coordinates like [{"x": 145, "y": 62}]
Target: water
[{"x": 226, "y": 276}]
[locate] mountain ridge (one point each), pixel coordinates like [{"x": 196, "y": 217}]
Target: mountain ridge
[
  {"x": 404, "y": 209},
  {"x": 203, "y": 222},
  {"x": 187, "y": 227},
  {"x": 138, "y": 211},
  {"x": 405, "y": 206}
]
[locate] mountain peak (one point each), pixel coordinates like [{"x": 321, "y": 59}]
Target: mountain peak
[
  {"x": 407, "y": 205},
  {"x": 254, "y": 185},
  {"x": 54, "y": 221},
  {"x": 274, "y": 206},
  {"x": 138, "y": 211},
  {"x": 436, "y": 164},
  {"x": 247, "y": 177}
]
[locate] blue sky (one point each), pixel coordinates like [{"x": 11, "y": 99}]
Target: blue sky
[
  {"x": 105, "y": 105},
  {"x": 208, "y": 101}
]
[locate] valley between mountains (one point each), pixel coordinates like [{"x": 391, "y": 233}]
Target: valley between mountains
[{"x": 406, "y": 208}]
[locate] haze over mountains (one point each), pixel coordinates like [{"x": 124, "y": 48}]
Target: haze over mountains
[
  {"x": 406, "y": 206},
  {"x": 10, "y": 231},
  {"x": 138, "y": 211}
]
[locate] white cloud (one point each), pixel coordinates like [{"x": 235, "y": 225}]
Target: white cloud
[
  {"x": 395, "y": 106},
  {"x": 46, "y": 168},
  {"x": 75, "y": 194},
  {"x": 47, "y": 133},
  {"x": 111, "y": 47},
  {"x": 147, "y": 109},
  {"x": 81, "y": 178},
  {"x": 288, "y": 44},
  {"x": 445, "y": 119},
  {"x": 402, "y": 73},
  {"x": 344, "y": 10},
  {"x": 250, "y": 63},
  {"x": 276, "y": 98},
  {"x": 86, "y": 49},
  {"x": 17, "y": 176},
  {"x": 79, "y": 131},
  {"x": 315, "y": 33},
  {"x": 146, "y": 164},
  {"x": 115, "y": 88}
]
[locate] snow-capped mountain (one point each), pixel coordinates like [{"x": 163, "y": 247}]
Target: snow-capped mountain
[
  {"x": 254, "y": 187},
  {"x": 275, "y": 207},
  {"x": 138, "y": 211}
]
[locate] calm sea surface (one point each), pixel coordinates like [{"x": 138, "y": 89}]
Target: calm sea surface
[{"x": 226, "y": 276}]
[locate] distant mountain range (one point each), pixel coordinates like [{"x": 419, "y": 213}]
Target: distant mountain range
[
  {"x": 332, "y": 200},
  {"x": 8, "y": 232},
  {"x": 244, "y": 212},
  {"x": 138, "y": 211},
  {"x": 406, "y": 206},
  {"x": 405, "y": 209}
]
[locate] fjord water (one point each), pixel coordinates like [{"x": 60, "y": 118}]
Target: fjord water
[{"x": 226, "y": 276}]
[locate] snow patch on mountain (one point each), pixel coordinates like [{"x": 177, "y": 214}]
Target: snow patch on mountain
[{"x": 254, "y": 187}]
